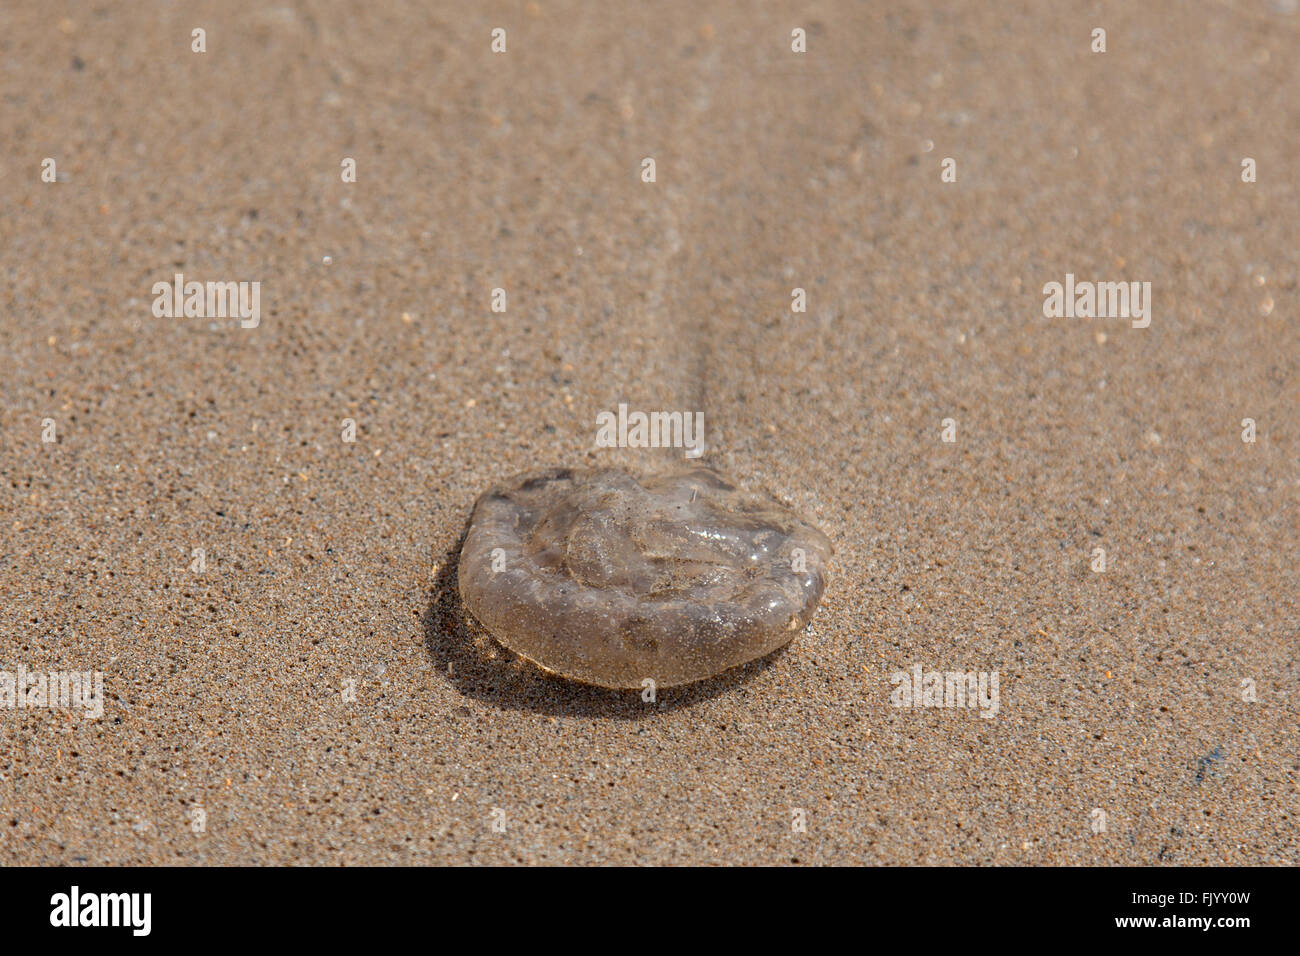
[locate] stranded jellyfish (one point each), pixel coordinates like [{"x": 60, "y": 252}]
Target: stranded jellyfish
[{"x": 608, "y": 579}]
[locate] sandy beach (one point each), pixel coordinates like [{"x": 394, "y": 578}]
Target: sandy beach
[{"x": 1077, "y": 505}]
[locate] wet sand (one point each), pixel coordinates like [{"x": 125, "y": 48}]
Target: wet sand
[{"x": 316, "y": 690}]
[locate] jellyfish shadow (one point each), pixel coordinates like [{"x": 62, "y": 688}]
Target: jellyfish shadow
[{"x": 480, "y": 667}]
